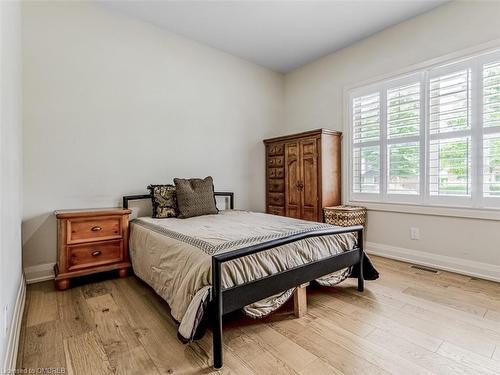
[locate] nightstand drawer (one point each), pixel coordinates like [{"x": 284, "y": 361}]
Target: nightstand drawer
[
  {"x": 94, "y": 254},
  {"x": 94, "y": 229}
]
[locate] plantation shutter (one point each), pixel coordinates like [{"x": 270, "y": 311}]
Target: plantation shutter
[
  {"x": 491, "y": 124},
  {"x": 403, "y": 133},
  {"x": 450, "y": 134},
  {"x": 366, "y": 117}
]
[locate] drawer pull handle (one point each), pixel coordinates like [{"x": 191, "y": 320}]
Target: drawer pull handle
[
  {"x": 96, "y": 229},
  {"x": 96, "y": 253}
]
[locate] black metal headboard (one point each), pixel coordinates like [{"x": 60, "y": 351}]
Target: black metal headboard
[{"x": 128, "y": 198}]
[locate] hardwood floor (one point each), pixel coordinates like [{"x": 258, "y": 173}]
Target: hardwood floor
[{"x": 408, "y": 322}]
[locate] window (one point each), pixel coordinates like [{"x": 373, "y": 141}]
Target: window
[{"x": 430, "y": 137}]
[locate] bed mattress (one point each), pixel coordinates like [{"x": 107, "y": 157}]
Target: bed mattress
[{"x": 173, "y": 256}]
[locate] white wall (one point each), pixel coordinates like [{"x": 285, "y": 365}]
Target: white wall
[
  {"x": 112, "y": 104},
  {"x": 10, "y": 166},
  {"x": 313, "y": 98}
]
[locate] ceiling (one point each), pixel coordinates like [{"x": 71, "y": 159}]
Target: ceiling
[{"x": 280, "y": 35}]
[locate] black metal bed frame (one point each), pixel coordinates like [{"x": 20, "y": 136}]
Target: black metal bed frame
[
  {"x": 230, "y": 299},
  {"x": 128, "y": 198}
]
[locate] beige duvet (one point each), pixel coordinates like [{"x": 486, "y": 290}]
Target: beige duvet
[{"x": 174, "y": 257}]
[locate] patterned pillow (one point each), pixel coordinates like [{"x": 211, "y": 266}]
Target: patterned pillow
[
  {"x": 164, "y": 201},
  {"x": 195, "y": 197}
]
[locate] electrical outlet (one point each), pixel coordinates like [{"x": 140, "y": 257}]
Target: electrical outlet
[{"x": 414, "y": 233}]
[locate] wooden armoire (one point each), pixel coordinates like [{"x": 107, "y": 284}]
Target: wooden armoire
[{"x": 303, "y": 174}]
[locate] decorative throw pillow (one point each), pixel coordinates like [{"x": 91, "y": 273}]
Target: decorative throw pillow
[
  {"x": 164, "y": 201},
  {"x": 195, "y": 197}
]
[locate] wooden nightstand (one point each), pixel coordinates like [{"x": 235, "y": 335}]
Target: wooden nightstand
[{"x": 91, "y": 241}]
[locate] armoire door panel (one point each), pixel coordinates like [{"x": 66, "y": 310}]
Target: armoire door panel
[
  {"x": 309, "y": 213},
  {"x": 309, "y": 178},
  {"x": 293, "y": 211},
  {"x": 308, "y": 147},
  {"x": 310, "y": 182},
  {"x": 292, "y": 175}
]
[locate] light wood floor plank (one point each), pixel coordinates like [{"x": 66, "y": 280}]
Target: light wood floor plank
[
  {"x": 74, "y": 314},
  {"x": 444, "y": 298},
  {"x": 252, "y": 352},
  {"x": 452, "y": 330},
  {"x": 320, "y": 367},
  {"x": 366, "y": 317},
  {"x": 85, "y": 355},
  {"x": 385, "y": 288},
  {"x": 329, "y": 351},
  {"x": 43, "y": 346},
  {"x": 293, "y": 355},
  {"x": 233, "y": 364},
  {"x": 376, "y": 355},
  {"x": 433, "y": 362},
  {"x": 429, "y": 290},
  {"x": 348, "y": 322},
  {"x": 493, "y": 315},
  {"x": 122, "y": 347},
  {"x": 468, "y": 358},
  {"x": 42, "y": 304},
  {"x": 474, "y": 332},
  {"x": 378, "y": 290},
  {"x": 496, "y": 354},
  {"x": 157, "y": 334}
]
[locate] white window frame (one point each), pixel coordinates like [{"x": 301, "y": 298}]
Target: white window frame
[{"x": 482, "y": 206}]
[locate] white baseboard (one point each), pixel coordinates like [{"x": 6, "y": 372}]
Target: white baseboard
[
  {"x": 445, "y": 263},
  {"x": 39, "y": 273},
  {"x": 15, "y": 328}
]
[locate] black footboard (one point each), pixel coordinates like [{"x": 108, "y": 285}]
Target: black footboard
[{"x": 234, "y": 298}]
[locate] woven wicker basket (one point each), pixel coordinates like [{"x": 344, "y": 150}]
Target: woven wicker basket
[{"x": 345, "y": 216}]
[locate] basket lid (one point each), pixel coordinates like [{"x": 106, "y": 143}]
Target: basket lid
[{"x": 345, "y": 208}]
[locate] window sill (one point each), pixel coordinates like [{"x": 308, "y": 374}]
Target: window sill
[{"x": 468, "y": 213}]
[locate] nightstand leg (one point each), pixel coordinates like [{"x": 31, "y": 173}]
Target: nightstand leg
[
  {"x": 62, "y": 284},
  {"x": 123, "y": 272}
]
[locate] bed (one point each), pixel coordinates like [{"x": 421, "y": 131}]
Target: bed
[{"x": 211, "y": 265}]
